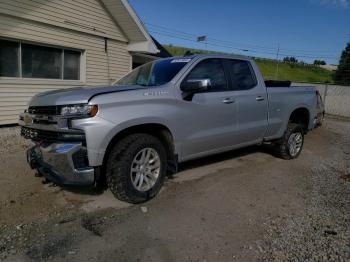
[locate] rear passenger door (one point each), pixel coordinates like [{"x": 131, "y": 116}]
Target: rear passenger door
[{"x": 251, "y": 100}]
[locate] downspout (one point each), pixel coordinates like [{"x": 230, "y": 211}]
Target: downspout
[{"x": 107, "y": 56}]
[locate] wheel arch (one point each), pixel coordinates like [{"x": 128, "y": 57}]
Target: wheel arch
[
  {"x": 300, "y": 115},
  {"x": 161, "y": 131}
]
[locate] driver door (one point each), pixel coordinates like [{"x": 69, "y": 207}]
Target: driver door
[{"x": 210, "y": 116}]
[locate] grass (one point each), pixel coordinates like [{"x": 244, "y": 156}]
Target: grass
[
  {"x": 294, "y": 72},
  {"x": 298, "y": 72}
]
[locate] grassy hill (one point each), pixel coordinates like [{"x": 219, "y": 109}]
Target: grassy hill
[
  {"x": 294, "y": 72},
  {"x": 297, "y": 72}
]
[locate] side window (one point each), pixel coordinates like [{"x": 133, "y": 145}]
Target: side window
[
  {"x": 242, "y": 75},
  {"x": 212, "y": 69}
]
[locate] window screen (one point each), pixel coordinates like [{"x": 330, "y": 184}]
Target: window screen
[{"x": 242, "y": 75}]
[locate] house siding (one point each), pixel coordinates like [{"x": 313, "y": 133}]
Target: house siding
[
  {"x": 98, "y": 69},
  {"x": 82, "y": 15}
]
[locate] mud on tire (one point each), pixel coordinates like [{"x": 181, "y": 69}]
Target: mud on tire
[
  {"x": 119, "y": 162},
  {"x": 282, "y": 147}
]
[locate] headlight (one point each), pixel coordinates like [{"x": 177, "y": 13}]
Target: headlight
[{"x": 82, "y": 110}]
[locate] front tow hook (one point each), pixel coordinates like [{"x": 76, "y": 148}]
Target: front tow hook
[{"x": 33, "y": 159}]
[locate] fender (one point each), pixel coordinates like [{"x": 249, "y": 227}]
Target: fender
[
  {"x": 137, "y": 122},
  {"x": 299, "y": 106}
]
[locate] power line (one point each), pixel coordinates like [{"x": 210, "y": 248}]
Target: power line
[
  {"x": 230, "y": 42},
  {"x": 176, "y": 36},
  {"x": 242, "y": 49},
  {"x": 212, "y": 39},
  {"x": 209, "y": 43},
  {"x": 172, "y": 35},
  {"x": 263, "y": 49}
]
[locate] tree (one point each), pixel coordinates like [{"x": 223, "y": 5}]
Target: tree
[
  {"x": 342, "y": 75},
  {"x": 319, "y": 62},
  {"x": 290, "y": 59}
]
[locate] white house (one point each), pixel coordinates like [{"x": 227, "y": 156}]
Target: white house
[{"x": 51, "y": 44}]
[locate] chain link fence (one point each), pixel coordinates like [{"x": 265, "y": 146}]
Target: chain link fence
[{"x": 335, "y": 97}]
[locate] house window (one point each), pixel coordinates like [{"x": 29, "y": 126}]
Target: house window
[
  {"x": 35, "y": 61},
  {"x": 9, "y": 59}
]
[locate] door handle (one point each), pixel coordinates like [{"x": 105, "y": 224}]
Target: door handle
[
  {"x": 259, "y": 98},
  {"x": 228, "y": 100}
]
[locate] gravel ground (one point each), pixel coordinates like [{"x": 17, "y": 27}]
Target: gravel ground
[
  {"x": 11, "y": 140},
  {"x": 245, "y": 205},
  {"x": 322, "y": 231}
]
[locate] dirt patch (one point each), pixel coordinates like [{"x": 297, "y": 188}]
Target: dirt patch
[
  {"x": 92, "y": 225},
  {"x": 11, "y": 141},
  {"x": 54, "y": 248}
]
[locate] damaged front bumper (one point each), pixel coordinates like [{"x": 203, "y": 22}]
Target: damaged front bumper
[{"x": 61, "y": 163}]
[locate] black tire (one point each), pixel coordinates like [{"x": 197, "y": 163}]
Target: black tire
[
  {"x": 118, "y": 167},
  {"x": 282, "y": 146}
]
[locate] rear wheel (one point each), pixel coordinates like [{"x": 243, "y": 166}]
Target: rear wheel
[
  {"x": 136, "y": 168},
  {"x": 291, "y": 144}
]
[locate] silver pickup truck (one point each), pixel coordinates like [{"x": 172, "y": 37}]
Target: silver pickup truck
[{"x": 133, "y": 133}]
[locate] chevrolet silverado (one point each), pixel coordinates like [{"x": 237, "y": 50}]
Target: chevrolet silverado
[{"x": 135, "y": 131}]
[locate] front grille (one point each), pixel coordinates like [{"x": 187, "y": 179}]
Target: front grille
[
  {"x": 48, "y": 121},
  {"x": 44, "y": 135},
  {"x": 36, "y": 134},
  {"x": 43, "y": 110}
]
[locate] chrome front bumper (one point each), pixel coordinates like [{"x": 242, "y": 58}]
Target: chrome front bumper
[{"x": 61, "y": 163}]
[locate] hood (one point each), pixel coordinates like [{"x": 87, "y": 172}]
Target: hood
[{"x": 76, "y": 95}]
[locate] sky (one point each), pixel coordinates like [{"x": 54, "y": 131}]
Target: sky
[{"x": 305, "y": 29}]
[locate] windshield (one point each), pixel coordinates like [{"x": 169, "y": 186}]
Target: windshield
[{"x": 155, "y": 73}]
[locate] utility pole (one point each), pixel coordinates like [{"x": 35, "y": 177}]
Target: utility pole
[
  {"x": 325, "y": 94},
  {"x": 278, "y": 52}
]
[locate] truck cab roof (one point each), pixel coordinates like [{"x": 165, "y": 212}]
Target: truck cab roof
[{"x": 218, "y": 55}]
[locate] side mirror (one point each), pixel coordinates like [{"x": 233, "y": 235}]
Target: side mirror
[{"x": 195, "y": 85}]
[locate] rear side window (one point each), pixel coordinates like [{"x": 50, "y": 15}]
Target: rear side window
[
  {"x": 212, "y": 69},
  {"x": 242, "y": 75}
]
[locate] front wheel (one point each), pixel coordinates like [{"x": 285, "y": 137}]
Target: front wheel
[
  {"x": 136, "y": 168},
  {"x": 291, "y": 144}
]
